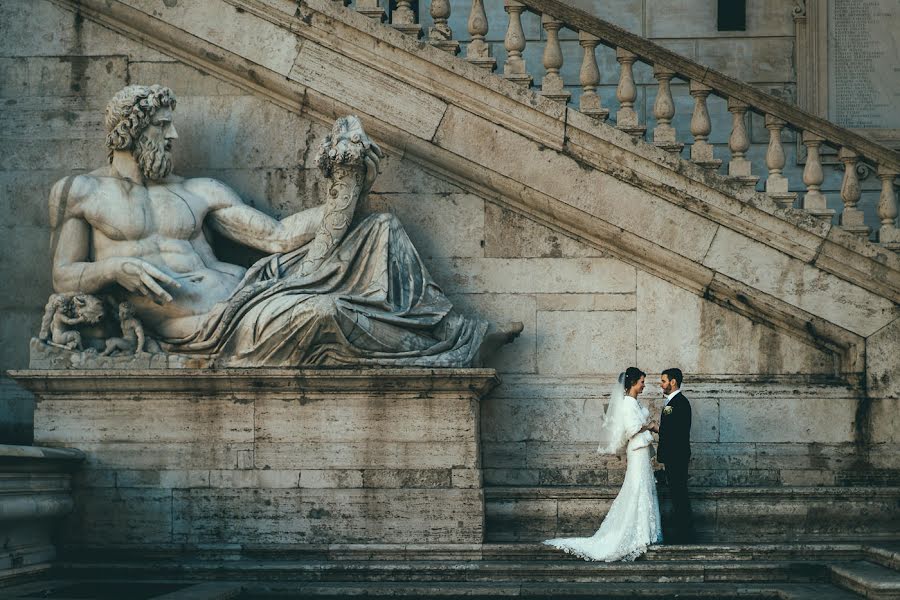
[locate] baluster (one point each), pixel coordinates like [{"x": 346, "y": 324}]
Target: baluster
[
  {"x": 478, "y": 52},
  {"x": 404, "y": 19},
  {"x": 589, "y": 78},
  {"x": 739, "y": 166},
  {"x": 552, "y": 85},
  {"x": 440, "y": 35},
  {"x": 663, "y": 110},
  {"x": 514, "y": 67},
  {"x": 371, "y": 9},
  {"x": 851, "y": 219},
  {"x": 814, "y": 201},
  {"x": 626, "y": 94},
  {"x": 888, "y": 234},
  {"x": 777, "y": 186},
  {"x": 701, "y": 125}
]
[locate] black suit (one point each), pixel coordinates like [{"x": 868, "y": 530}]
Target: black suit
[{"x": 675, "y": 453}]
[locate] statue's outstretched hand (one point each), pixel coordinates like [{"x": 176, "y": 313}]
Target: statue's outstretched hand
[{"x": 136, "y": 275}]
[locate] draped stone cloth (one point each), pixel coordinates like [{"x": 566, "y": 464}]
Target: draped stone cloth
[{"x": 371, "y": 302}]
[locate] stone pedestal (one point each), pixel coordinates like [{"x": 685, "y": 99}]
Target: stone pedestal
[
  {"x": 35, "y": 493},
  {"x": 184, "y": 459}
]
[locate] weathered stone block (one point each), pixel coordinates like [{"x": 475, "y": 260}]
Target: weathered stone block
[
  {"x": 581, "y": 517},
  {"x": 220, "y": 132},
  {"x": 133, "y": 516},
  {"x": 63, "y": 32},
  {"x": 270, "y": 456},
  {"x": 882, "y": 366},
  {"x": 330, "y": 74},
  {"x": 822, "y": 420},
  {"x": 302, "y": 516},
  {"x": 520, "y": 520},
  {"x": 407, "y": 478},
  {"x": 515, "y": 477},
  {"x": 712, "y": 339},
  {"x": 572, "y": 343},
  {"x": 535, "y": 275},
  {"x": 331, "y": 478},
  {"x": 753, "y": 60},
  {"x": 696, "y": 18},
  {"x": 575, "y": 477},
  {"x": 521, "y": 356},
  {"x": 36, "y": 76},
  {"x": 508, "y": 234},
  {"x": 253, "y": 478},
  {"x": 255, "y": 39},
  {"x": 445, "y": 225},
  {"x": 810, "y": 289}
]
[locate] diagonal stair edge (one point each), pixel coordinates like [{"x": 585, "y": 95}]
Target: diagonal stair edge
[{"x": 801, "y": 237}]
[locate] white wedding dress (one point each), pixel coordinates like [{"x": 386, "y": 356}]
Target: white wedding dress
[{"x": 633, "y": 521}]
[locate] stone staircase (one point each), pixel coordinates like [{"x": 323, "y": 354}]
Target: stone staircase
[
  {"x": 783, "y": 571},
  {"x": 568, "y": 169}
]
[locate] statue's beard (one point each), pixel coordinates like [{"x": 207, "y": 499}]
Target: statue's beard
[{"x": 154, "y": 159}]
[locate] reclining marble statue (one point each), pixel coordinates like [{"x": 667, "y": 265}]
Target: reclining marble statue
[{"x": 328, "y": 293}]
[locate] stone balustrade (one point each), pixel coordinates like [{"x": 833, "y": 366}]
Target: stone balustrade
[{"x": 854, "y": 153}]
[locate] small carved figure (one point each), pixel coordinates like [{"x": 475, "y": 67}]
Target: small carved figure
[
  {"x": 67, "y": 309},
  {"x": 133, "y": 339}
]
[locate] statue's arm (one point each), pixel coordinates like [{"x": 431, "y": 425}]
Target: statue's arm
[
  {"x": 71, "y": 239},
  {"x": 232, "y": 218}
]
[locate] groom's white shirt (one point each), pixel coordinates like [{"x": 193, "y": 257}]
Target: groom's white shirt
[{"x": 672, "y": 395}]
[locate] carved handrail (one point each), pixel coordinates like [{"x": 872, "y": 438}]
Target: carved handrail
[
  {"x": 741, "y": 97},
  {"x": 722, "y": 84}
]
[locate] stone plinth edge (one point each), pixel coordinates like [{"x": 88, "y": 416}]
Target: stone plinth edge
[
  {"x": 37, "y": 458},
  {"x": 477, "y": 381}
]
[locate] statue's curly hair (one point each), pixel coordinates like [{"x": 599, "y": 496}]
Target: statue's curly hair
[{"x": 130, "y": 111}]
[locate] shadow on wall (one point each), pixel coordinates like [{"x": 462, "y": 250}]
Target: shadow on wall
[{"x": 16, "y": 414}]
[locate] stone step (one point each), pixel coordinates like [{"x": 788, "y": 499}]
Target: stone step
[
  {"x": 513, "y": 551},
  {"x": 867, "y": 579},
  {"x": 543, "y": 571},
  {"x": 693, "y": 552},
  {"x": 484, "y": 591},
  {"x": 69, "y": 589},
  {"x": 884, "y": 554}
]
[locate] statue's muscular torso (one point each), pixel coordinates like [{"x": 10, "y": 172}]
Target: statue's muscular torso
[
  {"x": 149, "y": 240},
  {"x": 162, "y": 224}
]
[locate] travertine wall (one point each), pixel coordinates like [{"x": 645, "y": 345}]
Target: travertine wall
[{"x": 587, "y": 315}]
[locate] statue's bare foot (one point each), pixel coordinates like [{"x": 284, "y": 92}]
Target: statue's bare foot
[{"x": 496, "y": 336}]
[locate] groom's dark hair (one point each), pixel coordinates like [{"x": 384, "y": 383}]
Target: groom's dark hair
[{"x": 675, "y": 374}]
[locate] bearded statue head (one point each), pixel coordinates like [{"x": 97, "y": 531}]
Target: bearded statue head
[{"x": 128, "y": 115}]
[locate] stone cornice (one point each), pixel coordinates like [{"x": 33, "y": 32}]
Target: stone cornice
[{"x": 244, "y": 383}]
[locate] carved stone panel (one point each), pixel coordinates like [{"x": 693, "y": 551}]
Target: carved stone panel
[{"x": 848, "y": 64}]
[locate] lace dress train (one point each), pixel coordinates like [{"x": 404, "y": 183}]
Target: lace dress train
[{"x": 633, "y": 521}]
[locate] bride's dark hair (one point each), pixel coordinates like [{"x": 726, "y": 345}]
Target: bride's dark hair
[{"x": 630, "y": 377}]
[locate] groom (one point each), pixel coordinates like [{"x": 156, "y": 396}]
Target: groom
[{"x": 674, "y": 452}]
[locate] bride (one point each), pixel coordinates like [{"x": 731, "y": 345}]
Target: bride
[{"x": 632, "y": 522}]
